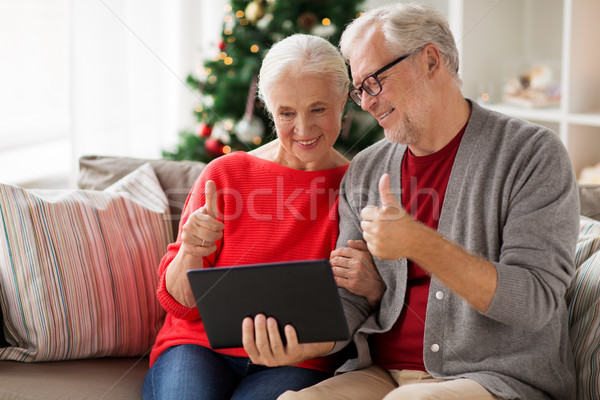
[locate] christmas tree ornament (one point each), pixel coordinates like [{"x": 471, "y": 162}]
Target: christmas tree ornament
[
  {"x": 222, "y": 45},
  {"x": 214, "y": 146},
  {"x": 204, "y": 130},
  {"x": 250, "y": 127},
  {"x": 221, "y": 132},
  {"x": 247, "y": 131},
  {"x": 307, "y": 21},
  {"x": 255, "y": 10}
]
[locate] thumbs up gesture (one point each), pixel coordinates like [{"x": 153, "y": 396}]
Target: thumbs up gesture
[
  {"x": 203, "y": 229},
  {"x": 198, "y": 236},
  {"x": 385, "y": 228}
]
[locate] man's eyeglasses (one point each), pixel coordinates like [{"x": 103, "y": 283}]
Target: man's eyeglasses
[{"x": 371, "y": 83}]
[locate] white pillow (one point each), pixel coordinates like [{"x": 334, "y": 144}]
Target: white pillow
[{"x": 78, "y": 269}]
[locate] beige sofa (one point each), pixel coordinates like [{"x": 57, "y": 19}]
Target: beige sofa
[
  {"x": 117, "y": 371},
  {"x": 113, "y": 377}
]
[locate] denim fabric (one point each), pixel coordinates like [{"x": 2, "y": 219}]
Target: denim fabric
[{"x": 195, "y": 372}]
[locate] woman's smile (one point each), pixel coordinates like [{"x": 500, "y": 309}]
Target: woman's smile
[{"x": 309, "y": 143}]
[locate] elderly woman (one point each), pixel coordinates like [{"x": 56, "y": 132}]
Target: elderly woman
[{"x": 277, "y": 203}]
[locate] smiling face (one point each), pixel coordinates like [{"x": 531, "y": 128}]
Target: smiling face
[
  {"x": 307, "y": 112},
  {"x": 404, "y": 104}
]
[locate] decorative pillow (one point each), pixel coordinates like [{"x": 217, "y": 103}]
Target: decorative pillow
[
  {"x": 583, "y": 297},
  {"x": 78, "y": 269},
  {"x": 2, "y": 340},
  {"x": 175, "y": 177}
]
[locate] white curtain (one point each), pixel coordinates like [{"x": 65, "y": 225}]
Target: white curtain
[{"x": 96, "y": 77}]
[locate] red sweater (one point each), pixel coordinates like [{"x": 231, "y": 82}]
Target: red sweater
[
  {"x": 424, "y": 182},
  {"x": 271, "y": 213}
]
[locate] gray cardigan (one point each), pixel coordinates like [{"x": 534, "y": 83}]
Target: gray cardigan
[{"x": 512, "y": 199}]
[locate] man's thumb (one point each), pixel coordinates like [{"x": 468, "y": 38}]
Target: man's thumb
[
  {"x": 385, "y": 192},
  {"x": 210, "y": 195}
]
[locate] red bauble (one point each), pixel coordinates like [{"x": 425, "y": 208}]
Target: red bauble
[
  {"x": 204, "y": 130},
  {"x": 222, "y": 45},
  {"x": 214, "y": 146}
]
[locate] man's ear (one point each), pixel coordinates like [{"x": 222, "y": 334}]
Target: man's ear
[{"x": 433, "y": 58}]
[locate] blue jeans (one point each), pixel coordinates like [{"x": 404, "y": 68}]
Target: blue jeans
[{"x": 194, "y": 372}]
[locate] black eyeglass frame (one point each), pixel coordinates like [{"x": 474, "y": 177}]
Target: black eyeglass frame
[{"x": 356, "y": 93}]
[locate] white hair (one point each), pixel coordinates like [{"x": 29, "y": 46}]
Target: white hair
[
  {"x": 302, "y": 55},
  {"x": 406, "y": 27}
]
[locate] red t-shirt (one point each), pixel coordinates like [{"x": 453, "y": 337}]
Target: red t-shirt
[
  {"x": 271, "y": 213},
  {"x": 424, "y": 182}
]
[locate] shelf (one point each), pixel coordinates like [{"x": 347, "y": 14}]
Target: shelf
[
  {"x": 585, "y": 119},
  {"x": 551, "y": 114},
  {"x": 500, "y": 39}
]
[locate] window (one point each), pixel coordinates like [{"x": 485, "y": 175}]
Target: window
[
  {"x": 34, "y": 77},
  {"x": 96, "y": 77}
]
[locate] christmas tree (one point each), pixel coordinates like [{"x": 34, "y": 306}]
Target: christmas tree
[{"x": 230, "y": 117}]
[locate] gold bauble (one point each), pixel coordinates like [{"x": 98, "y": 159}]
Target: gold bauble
[{"x": 255, "y": 10}]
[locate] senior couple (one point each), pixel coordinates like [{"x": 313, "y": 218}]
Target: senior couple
[{"x": 452, "y": 239}]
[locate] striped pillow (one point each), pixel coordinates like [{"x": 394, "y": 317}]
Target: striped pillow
[
  {"x": 583, "y": 297},
  {"x": 78, "y": 269}
]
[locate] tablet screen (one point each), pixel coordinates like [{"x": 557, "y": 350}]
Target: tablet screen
[{"x": 300, "y": 293}]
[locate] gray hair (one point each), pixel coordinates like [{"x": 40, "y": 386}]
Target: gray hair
[
  {"x": 302, "y": 55},
  {"x": 406, "y": 27}
]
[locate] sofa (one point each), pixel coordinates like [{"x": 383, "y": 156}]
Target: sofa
[{"x": 78, "y": 274}]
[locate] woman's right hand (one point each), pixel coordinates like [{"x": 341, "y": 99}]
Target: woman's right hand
[
  {"x": 198, "y": 237},
  {"x": 354, "y": 269},
  {"x": 203, "y": 229}
]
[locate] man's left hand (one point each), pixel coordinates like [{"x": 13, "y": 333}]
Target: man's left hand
[{"x": 386, "y": 228}]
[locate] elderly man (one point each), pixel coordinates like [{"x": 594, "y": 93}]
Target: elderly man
[{"x": 472, "y": 219}]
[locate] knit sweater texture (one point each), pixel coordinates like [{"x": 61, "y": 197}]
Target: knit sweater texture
[
  {"x": 511, "y": 199},
  {"x": 271, "y": 213}
]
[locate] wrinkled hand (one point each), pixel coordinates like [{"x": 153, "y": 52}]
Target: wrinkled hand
[
  {"x": 198, "y": 237},
  {"x": 385, "y": 228},
  {"x": 202, "y": 229},
  {"x": 262, "y": 341},
  {"x": 353, "y": 268}
]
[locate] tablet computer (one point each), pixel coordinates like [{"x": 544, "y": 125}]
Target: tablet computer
[{"x": 300, "y": 293}]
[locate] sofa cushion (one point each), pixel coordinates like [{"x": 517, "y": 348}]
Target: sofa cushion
[
  {"x": 176, "y": 177},
  {"x": 589, "y": 199},
  {"x": 106, "y": 378},
  {"x": 78, "y": 269},
  {"x": 583, "y": 297}
]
